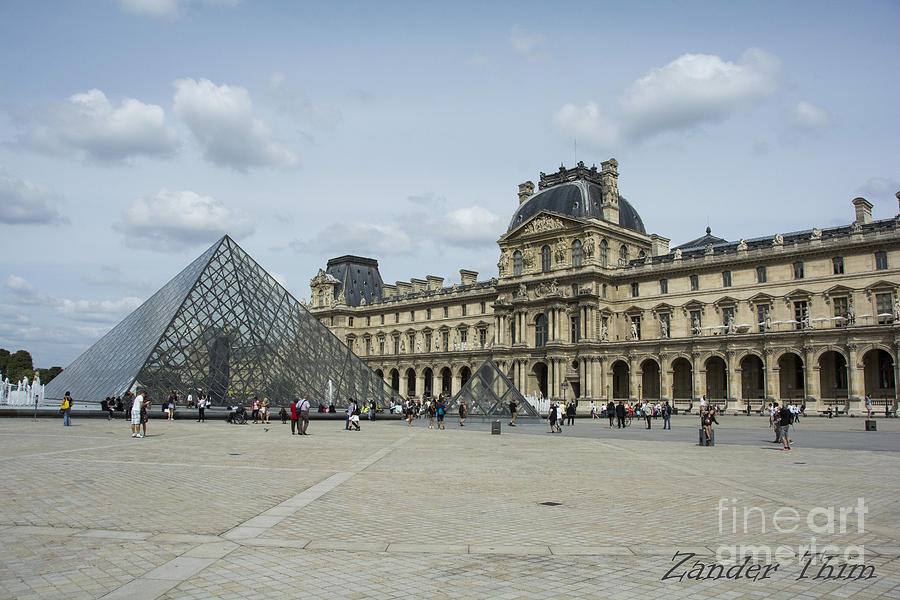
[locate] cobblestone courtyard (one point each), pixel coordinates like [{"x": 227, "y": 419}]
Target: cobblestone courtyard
[{"x": 208, "y": 510}]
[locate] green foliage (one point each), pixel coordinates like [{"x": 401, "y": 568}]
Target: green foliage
[
  {"x": 47, "y": 374},
  {"x": 18, "y": 365},
  {"x": 4, "y": 358}
]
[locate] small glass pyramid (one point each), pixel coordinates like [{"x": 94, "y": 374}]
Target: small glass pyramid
[
  {"x": 488, "y": 393},
  {"x": 225, "y": 327}
]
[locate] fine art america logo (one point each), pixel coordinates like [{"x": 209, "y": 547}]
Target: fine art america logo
[{"x": 755, "y": 562}]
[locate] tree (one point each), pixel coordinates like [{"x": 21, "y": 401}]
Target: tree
[
  {"x": 19, "y": 365},
  {"x": 4, "y": 358},
  {"x": 47, "y": 375}
]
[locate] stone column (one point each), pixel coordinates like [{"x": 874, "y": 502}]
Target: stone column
[
  {"x": 420, "y": 382},
  {"x": 770, "y": 375},
  {"x": 664, "y": 377},
  {"x": 584, "y": 376},
  {"x": 855, "y": 377},
  {"x": 633, "y": 378},
  {"x": 699, "y": 387},
  {"x": 733, "y": 389},
  {"x": 810, "y": 381},
  {"x": 454, "y": 384}
]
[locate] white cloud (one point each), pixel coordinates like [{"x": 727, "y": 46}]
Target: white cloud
[
  {"x": 524, "y": 41},
  {"x": 166, "y": 8},
  {"x": 359, "y": 238},
  {"x": 691, "y": 90},
  {"x": 470, "y": 226},
  {"x": 25, "y": 294},
  {"x": 879, "y": 188},
  {"x": 177, "y": 220},
  {"x": 225, "y": 126},
  {"x": 108, "y": 276},
  {"x": 22, "y": 202},
  {"x": 299, "y": 106},
  {"x": 91, "y": 126},
  {"x": 809, "y": 117}
]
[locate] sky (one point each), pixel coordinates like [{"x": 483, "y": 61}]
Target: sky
[{"x": 135, "y": 133}]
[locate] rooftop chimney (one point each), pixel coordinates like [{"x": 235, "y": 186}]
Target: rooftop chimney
[
  {"x": 863, "y": 210},
  {"x": 526, "y": 191},
  {"x": 467, "y": 277}
]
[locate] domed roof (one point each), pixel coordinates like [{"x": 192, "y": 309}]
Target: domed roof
[{"x": 581, "y": 199}]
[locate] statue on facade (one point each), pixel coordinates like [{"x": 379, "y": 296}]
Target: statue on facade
[
  {"x": 677, "y": 253},
  {"x": 851, "y": 314},
  {"x": 402, "y": 347},
  {"x": 731, "y": 326},
  {"x": 604, "y": 333},
  {"x": 634, "y": 331},
  {"x": 663, "y": 328},
  {"x": 503, "y": 264},
  {"x": 742, "y": 245},
  {"x": 805, "y": 322},
  {"x": 523, "y": 291},
  {"x": 695, "y": 326},
  {"x": 418, "y": 346},
  {"x": 528, "y": 258},
  {"x": 560, "y": 253},
  {"x": 437, "y": 346},
  {"x": 589, "y": 248},
  {"x": 896, "y": 309},
  {"x": 778, "y": 240},
  {"x": 816, "y": 234},
  {"x": 554, "y": 287}
]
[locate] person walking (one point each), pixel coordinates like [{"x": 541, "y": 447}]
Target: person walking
[
  {"x": 620, "y": 415},
  {"x": 146, "y": 406},
  {"x": 441, "y": 410},
  {"x": 463, "y": 413},
  {"x": 513, "y": 412},
  {"x": 136, "y": 409},
  {"x": 201, "y": 407},
  {"x": 707, "y": 418},
  {"x": 868, "y": 401},
  {"x": 666, "y": 411},
  {"x": 66, "y": 409},
  {"x": 264, "y": 411},
  {"x": 372, "y": 408},
  {"x": 611, "y": 413},
  {"x": 785, "y": 418},
  {"x": 303, "y": 415},
  {"x": 647, "y": 412},
  {"x": 294, "y": 422},
  {"x": 570, "y": 414}
]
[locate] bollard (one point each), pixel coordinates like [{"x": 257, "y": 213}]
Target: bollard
[
  {"x": 712, "y": 438},
  {"x": 871, "y": 425},
  {"x": 495, "y": 427}
]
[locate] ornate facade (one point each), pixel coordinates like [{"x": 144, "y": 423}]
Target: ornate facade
[{"x": 586, "y": 304}]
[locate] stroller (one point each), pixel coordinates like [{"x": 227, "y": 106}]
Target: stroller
[{"x": 236, "y": 416}]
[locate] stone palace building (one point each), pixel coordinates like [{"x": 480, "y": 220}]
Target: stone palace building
[{"x": 588, "y": 305}]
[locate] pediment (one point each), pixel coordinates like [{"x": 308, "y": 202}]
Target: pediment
[
  {"x": 663, "y": 307},
  {"x": 726, "y": 301},
  {"x": 633, "y": 310},
  {"x": 761, "y": 298},
  {"x": 838, "y": 290},
  {"x": 881, "y": 285},
  {"x": 799, "y": 293},
  {"x": 543, "y": 221}
]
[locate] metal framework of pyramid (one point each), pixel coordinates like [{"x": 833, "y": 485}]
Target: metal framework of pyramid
[
  {"x": 226, "y": 327},
  {"x": 488, "y": 394}
]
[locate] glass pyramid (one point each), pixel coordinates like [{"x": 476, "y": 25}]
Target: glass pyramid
[
  {"x": 226, "y": 327},
  {"x": 488, "y": 394}
]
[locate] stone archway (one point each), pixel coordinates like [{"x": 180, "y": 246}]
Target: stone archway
[
  {"x": 428, "y": 375},
  {"x": 621, "y": 378},
  {"x": 833, "y": 377},
  {"x": 753, "y": 382},
  {"x": 464, "y": 374},
  {"x": 790, "y": 377},
  {"x": 650, "y": 380},
  {"x": 878, "y": 370},
  {"x": 410, "y": 382},
  {"x": 540, "y": 374},
  {"x": 395, "y": 380},
  {"x": 682, "y": 380},
  {"x": 446, "y": 380},
  {"x": 716, "y": 378}
]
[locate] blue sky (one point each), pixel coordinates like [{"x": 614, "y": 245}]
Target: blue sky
[{"x": 134, "y": 133}]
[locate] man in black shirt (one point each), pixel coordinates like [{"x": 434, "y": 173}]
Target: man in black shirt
[
  {"x": 513, "y": 412},
  {"x": 784, "y": 423},
  {"x": 620, "y": 414}
]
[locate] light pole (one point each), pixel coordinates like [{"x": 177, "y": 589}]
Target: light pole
[{"x": 565, "y": 387}]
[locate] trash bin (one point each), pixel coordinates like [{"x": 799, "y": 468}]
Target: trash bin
[
  {"x": 871, "y": 425},
  {"x": 495, "y": 427},
  {"x": 712, "y": 437}
]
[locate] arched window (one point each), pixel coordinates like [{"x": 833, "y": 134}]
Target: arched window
[
  {"x": 604, "y": 253},
  {"x": 545, "y": 259},
  {"x": 576, "y": 253},
  {"x": 540, "y": 331},
  {"x": 517, "y": 263},
  {"x": 623, "y": 254},
  {"x": 641, "y": 255},
  {"x": 321, "y": 298}
]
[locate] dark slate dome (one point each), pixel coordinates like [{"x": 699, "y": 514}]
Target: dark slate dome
[{"x": 581, "y": 199}]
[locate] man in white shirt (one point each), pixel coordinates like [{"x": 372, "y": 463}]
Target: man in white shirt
[
  {"x": 303, "y": 415},
  {"x": 136, "y": 416}
]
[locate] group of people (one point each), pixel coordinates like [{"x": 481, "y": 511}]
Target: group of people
[
  {"x": 780, "y": 419},
  {"x": 556, "y": 416}
]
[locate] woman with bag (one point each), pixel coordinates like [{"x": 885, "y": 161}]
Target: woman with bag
[{"x": 65, "y": 408}]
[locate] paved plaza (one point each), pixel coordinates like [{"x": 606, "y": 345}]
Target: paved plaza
[{"x": 209, "y": 510}]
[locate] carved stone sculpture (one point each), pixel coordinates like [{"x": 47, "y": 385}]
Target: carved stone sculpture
[
  {"x": 742, "y": 245},
  {"x": 778, "y": 240},
  {"x": 663, "y": 328},
  {"x": 634, "y": 331}
]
